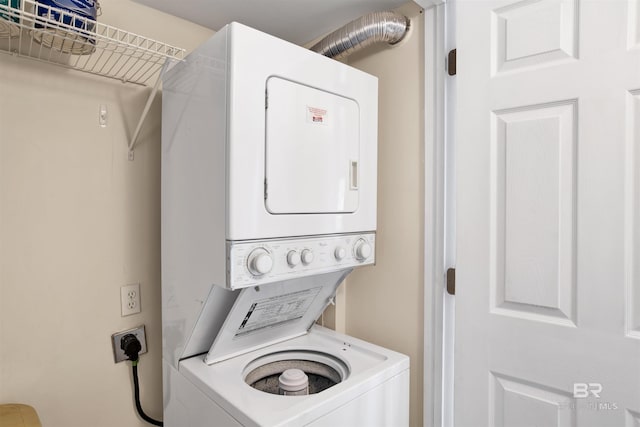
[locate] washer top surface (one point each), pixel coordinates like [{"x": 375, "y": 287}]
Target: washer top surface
[{"x": 363, "y": 365}]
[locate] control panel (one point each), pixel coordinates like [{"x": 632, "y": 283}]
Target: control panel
[{"x": 251, "y": 263}]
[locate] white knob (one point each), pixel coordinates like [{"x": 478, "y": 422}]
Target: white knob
[
  {"x": 362, "y": 249},
  {"x": 260, "y": 262},
  {"x": 340, "y": 253},
  {"x": 293, "y": 258},
  {"x": 307, "y": 256}
]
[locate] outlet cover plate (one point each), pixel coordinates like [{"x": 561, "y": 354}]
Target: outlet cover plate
[
  {"x": 130, "y": 299},
  {"x": 118, "y": 353}
]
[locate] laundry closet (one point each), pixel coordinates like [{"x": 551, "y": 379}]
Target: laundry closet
[{"x": 80, "y": 217}]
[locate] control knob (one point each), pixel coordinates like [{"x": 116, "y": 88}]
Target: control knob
[
  {"x": 293, "y": 258},
  {"x": 340, "y": 253},
  {"x": 260, "y": 262},
  {"x": 362, "y": 249},
  {"x": 307, "y": 256}
]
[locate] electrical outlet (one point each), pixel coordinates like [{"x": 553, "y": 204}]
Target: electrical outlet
[
  {"x": 118, "y": 353},
  {"x": 130, "y": 299}
]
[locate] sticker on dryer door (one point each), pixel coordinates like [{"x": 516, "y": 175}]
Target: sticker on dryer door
[
  {"x": 317, "y": 115},
  {"x": 275, "y": 311}
]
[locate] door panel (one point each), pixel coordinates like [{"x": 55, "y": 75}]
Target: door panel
[
  {"x": 533, "y": 203},
  {"x": 533, "y": 33},
  {"x": 548, "y": 275},
  {"x": 633, "y": 214}
]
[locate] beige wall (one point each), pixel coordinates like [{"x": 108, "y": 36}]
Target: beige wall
[
  {"x": 77, "y": 221},
  {"x": 384, "y": 304}
]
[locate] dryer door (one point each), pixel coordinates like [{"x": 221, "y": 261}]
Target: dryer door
[{"x": 312, "y": 150}]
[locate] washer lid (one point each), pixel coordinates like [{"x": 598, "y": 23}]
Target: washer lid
[{"x": 264, "y": 315}]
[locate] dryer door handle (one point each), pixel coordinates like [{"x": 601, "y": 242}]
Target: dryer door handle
[{"x": 353, "y": 175}]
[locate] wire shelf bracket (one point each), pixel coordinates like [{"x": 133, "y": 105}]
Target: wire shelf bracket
[{"x": 145, "y": 111}]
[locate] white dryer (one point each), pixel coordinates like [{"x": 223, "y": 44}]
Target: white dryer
[{"x": 269, "y": 172}]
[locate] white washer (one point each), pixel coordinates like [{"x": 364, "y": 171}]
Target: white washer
[
  {"x": 351, "y": 382},
  {"x": 374, "y": 392}
]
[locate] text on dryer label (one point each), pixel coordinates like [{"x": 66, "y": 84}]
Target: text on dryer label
[{"x": 317, "y": 115}]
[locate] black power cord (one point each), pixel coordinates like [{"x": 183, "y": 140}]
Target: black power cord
[{"x": 131, "y": 347}]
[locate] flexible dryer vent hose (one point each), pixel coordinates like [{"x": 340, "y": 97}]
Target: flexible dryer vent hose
[{"x": 377, "y": 27}]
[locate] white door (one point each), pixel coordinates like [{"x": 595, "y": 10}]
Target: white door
[{"x": 548, "y": 213}]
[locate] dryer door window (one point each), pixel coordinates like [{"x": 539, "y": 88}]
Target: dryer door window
[{"x": 312, "y": 150}]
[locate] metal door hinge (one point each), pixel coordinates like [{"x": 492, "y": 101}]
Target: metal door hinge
[
  {"x": 451, "y": 281},
  {"x": 451, "y": 62}
]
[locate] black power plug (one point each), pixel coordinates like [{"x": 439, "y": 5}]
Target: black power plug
[{"x": 131, "y": 346}]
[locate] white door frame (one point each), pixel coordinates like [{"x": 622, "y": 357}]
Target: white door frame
[{"x": 434, "y": 220}]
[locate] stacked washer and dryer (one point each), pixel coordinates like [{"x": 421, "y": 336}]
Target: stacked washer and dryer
[{"x": 269, "y": 168}]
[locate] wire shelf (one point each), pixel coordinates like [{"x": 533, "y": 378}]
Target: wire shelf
[{"x": 48, "y": 34}]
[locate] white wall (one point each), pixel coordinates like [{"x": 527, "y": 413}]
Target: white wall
[
  {"x": 77, "y": 221},
  {"x": 384, "y": 304}
]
